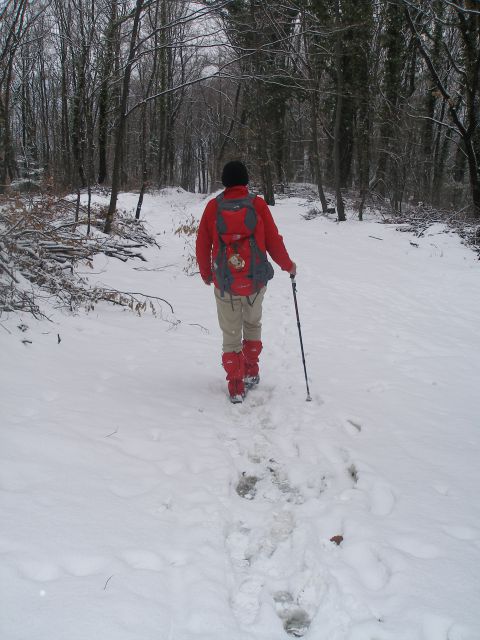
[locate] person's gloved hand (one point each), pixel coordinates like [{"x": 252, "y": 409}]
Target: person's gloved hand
[
  {"x": 207, "y": 280},
  {"x": 293, "y": 270}
]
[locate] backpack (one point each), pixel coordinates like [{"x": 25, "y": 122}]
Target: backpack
[{"x": 239, "y": 260}]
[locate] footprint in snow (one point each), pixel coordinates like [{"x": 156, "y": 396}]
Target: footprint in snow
[
  {"x": 281, "y": 481},
  {"x": 296, "y": 620},
  {"x": 371, "y": 570},
  {"x": 246, "y": 487},
  {"x": 261, "y": 447},
  {"x": 381, "y": 497},
  {"x": 263, "y": 545},
  {"x": 39, "y": 570},
  {"x": 382, "y": 500},
  {"x": 85, "y": 565},
  {"x": 237, "y": 541},
  {"x": 246, "y": 602},
  {"x": 257, "y": 397}
]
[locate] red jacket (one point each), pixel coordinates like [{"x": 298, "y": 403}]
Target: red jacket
[{"x": 267, "y": 236}]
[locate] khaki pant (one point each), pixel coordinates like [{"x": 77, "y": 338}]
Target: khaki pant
[{"x": 239, "y": 318}]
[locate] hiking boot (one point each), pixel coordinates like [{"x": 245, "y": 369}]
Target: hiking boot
[
  {"x": 234, "y": 365},
  {"x": 251, "y": 381}
]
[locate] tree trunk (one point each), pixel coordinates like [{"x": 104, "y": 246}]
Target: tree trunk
[
  {"x": 104, "y": 99},
  {"x": 440, "y": 155},
  {"x": 265, "y": 168},
  {"x": 394, "y": 45},
  {"x": 3, "y": 152},
  {"x": 428, "y": 131},
  {"x": 7, "y": 162},
  {"x": 122, "y": 121},
  {"x": 361, "y": 16},
  {"x": 337, "y": 152},
  {"x": 317, "y": 169},
  {"x": 65, "y": 136},
  {"x": 78, "y": 130}
]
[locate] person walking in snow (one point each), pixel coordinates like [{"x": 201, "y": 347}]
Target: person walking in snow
[{"x": 236, "y": 232}]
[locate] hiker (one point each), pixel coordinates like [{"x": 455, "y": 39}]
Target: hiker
[{"x": 235, "y": 233}]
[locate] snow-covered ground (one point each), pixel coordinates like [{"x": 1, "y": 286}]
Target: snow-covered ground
[{"x": 137, "y": 503}]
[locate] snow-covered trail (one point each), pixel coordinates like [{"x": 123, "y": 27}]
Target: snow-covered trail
[{"x": 138, "y": 504}]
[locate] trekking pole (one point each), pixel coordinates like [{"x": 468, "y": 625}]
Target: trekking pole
[{"x": 294, "y": 289}]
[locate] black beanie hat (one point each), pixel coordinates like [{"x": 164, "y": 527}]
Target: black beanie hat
[{"x": 234, "y": 173}]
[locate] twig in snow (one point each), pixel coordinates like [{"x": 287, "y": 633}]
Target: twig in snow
[
  {"x": 7, "y": 330},
  {"x": 3, "y": 267},
  {"x": 153, "y": 268},
  {"x": 195, "y": 324},
  {"x": 145, "y": 295},
  {"x": 106, "y": 583}
]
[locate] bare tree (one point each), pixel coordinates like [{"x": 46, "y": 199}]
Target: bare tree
[
  {"x": 122, "y": 119},
  {"x": 462, "y": 101},
  {"x": 364, "y": 99},
  {"x": 12, "y": 29}
]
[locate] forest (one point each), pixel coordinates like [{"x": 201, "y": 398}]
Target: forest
[
  {"x": 338, "y": 498},
  {"x": 376, "y": 99}
]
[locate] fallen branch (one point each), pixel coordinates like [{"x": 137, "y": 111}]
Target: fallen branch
[{"x": 40, "y": 242}]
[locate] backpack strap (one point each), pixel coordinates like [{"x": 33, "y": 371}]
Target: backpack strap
[
  {"x": 224, "y": 277},
  {"x": 251, "y": 215},
  {"x": 261, "y": 271},
  {"x": 221, "y": 224}
]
